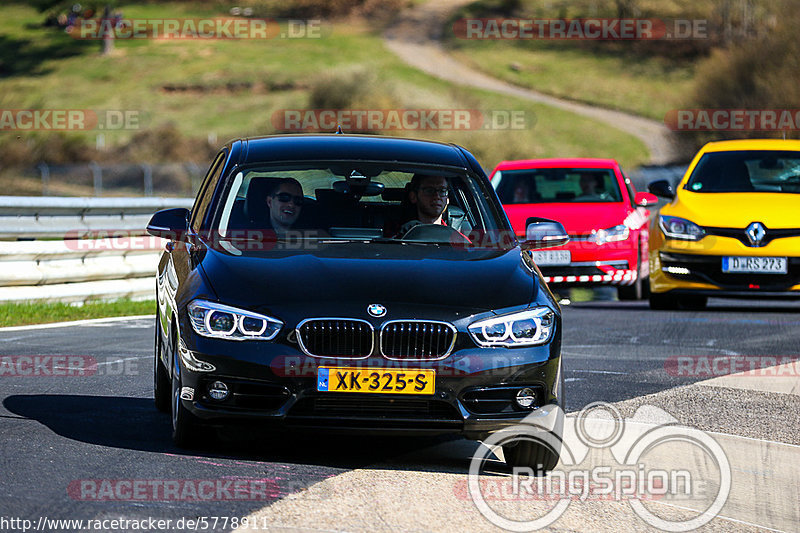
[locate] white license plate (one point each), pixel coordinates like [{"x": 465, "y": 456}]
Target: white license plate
[
  {"x": 754, "y": 265},
  {"x": 552, "y": 257}
]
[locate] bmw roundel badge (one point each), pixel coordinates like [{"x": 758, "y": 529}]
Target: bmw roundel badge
[{"x": 376, "y": 310}]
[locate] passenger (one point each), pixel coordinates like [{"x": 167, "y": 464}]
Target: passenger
[
  {"x": 522, "y": 191},
  {"x": 285, "y": 203}
]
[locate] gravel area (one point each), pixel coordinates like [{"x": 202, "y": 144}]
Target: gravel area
[{"x": 746, "y": 413}]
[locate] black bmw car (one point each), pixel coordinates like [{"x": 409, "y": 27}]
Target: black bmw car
[{"x": 296, "y": 294}]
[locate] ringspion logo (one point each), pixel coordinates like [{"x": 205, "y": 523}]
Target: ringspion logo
[{"x": 602, "y": 456}]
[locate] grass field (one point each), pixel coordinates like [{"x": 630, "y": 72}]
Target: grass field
[
  {"x": 223, "y": 89},
  {"x": 20, "y": 314},
  {"x": 649, "y": 87},
  {"x": 646, "y": 79}
]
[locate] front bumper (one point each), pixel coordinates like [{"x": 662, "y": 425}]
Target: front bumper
[
  {"x": 612, "y": 263},
  {"x": 274, "y": 386},
  {"x": 702, "y": 274}
]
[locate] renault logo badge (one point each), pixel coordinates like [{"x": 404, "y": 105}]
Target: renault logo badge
[
  {"x": 755, "y": 233},
  {"x": 376, "y": 310}
]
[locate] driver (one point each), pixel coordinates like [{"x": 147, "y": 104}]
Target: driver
[
  {"x": 591, "y": 186},
  {"x": 284, "y": 204},
  {"x": 430, "y": 197}
]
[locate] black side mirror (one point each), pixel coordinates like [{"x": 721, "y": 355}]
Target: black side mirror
[
  {"x": 543, "y": 233},
  {"x": 172, "y": 224},
  {"x": 662, "y": 189}
]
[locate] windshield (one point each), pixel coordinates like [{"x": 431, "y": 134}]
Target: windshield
[
  {"x": 365, "y": 202},
  {"x": 556, "y": 185},
  {"x": 747, "y": 171}
]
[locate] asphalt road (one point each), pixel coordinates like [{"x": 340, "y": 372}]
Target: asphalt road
[{"x": 69, "y": 442}]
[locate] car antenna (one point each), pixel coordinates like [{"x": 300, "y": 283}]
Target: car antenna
[{"x": 339, "y": 130}]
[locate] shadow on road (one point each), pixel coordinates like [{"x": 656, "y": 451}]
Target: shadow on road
[
  {"x": 134, "y": 424},
  {"x": 714, "y": 307}
]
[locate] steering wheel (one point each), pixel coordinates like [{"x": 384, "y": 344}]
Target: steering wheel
[{"x": 435, "y": 233}]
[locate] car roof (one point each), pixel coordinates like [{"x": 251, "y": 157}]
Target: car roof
[
  {"x": 572, "y": 162},
  {"x": 328, "y": 147},
  {"x": 751, "y": 144}
]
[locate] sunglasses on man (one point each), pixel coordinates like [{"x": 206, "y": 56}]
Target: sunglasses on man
[{"x": 285, "y": 198}]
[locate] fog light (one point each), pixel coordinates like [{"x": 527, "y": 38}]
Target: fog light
[
  {"x": 526, "y": 398},
  {"x": 218, "y": 391}
]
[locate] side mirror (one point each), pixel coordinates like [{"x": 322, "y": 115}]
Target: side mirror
[
  {"x": 661, "y": 188},
  {"x": 172, "y": 224},
  {"x": 644, "y": 199},
  {"x": 543, "y": 233}
]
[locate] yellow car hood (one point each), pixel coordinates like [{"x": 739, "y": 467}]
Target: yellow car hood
[{"x": 737, "y": 210}]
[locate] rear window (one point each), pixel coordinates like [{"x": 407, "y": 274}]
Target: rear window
[{"x": 557, "y": 185}]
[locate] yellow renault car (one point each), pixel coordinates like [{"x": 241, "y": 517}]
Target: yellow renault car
[{"x": 731, "y": 229}]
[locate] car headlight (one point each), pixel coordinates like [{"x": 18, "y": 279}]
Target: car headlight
[
  {"x": 524, "y": 328},
  {"x": 616, "y": 233},
  {"x": 680, "y": 228},
  {"x": 211, "y": 319}
]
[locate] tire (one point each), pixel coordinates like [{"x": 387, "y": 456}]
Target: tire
[
  {"x": 184, "y": 427},
  {"x": 539, "y": 457},
  {"x": 161, "y": 386},
  {"x": 666, "y": 301},
  {"x": 634, "y": 291},
  {"x": 693, "y": 303},
  {"x": 639, "y": 289},
  {"x": 663, "y": 301}
]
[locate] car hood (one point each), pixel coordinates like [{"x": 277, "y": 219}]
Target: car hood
[
  {"x": 576, "y": 218},
  {"x": 343, "y": 279},
  {"x": 737, "y": 210}
]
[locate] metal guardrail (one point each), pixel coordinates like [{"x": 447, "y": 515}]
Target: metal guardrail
[{"x": 87, "y": 248}]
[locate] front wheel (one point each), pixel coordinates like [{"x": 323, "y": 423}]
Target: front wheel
[
  {"x": 161, "y": 385},
  {"x": 635, "y": 291},
  {"x": 535, "y": 455},
  {"x": 671, "y": 302},
  {"x": 639, "y": 289},
  {"x": 184, "y": 427}
]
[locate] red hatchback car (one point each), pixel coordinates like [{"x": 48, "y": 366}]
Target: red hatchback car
[{"x": 594, "y": 200}]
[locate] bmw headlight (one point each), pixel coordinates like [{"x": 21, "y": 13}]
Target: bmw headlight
[
  {"x": 524, "y": 328},
  {"x": 616, "y": 233},
  {"x": 680, "y": 228},
  {"x": 211, "y": 319}
]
